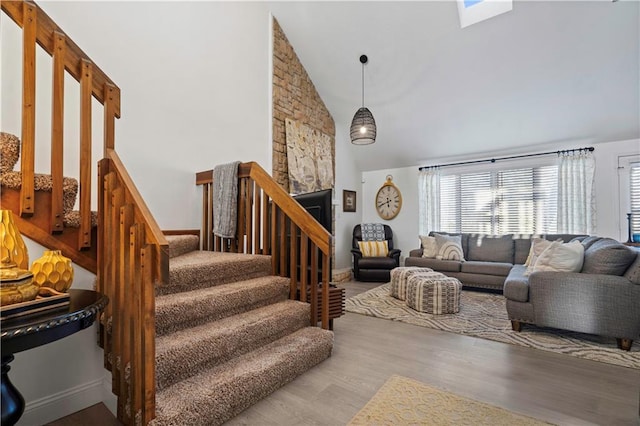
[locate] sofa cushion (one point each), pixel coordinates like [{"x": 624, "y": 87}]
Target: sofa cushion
[
  {"x": 589, "y": 241},
  {"x": 564, "y": 237},
  {"x": 633, "y": 271},
  {"x": 449, "y": 247},
  {"x": 490, "y": 248},
  {"x": 429, "y": 246},
  {"x": 516, "y": 286},
  {"x": 609, "y": 257},
  {"x": 561, "y": 257},
  {"x": 435, "y": 264},
  {"x": 521, "y": 248},
  {"x": 377, "y": 263},
  {"x": 486, "y": 268}
]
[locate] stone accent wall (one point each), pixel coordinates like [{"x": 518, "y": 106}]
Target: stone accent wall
[{"x": 294, "y": 96}]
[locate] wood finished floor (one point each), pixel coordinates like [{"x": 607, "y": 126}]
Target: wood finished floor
[{"x": 553, "y": 387}]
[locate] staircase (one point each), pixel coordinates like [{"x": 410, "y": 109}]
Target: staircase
[
  {"x": 226, "y": 335},
  {"x": 190, "y": 336}
]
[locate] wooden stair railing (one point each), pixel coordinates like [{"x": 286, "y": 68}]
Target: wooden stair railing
[
  {"x": 271, "y": 222},
  {"x": 127, "y": 251}
]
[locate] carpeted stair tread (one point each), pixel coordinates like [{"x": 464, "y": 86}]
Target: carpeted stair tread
[
  {"x": 182, "y": 244},
  {"x": 182, "y": 354},
  {"x": 42, "y": 182},
  {"x": 219, "y": 393},
  {"x": 200, "y": 269},
  {"x": 177, "y": 311},
  {"x": 72, "y": 219}
]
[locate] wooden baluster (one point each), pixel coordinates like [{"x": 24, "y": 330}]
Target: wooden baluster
[
  {"x": 149, "y": 333},
  {"x": 293, "y": 261},
  {"x": 304, "y": 266},
  {"x": 28, "y": 142},
  {"x": 283, "y": 244},
  {"x": 325, "y": 291},
  {"x": 116, "y": 200},
  {"x": 103, "y": 167},
  {"x": 109, "y": 117},
  {"x": 274, "y": 234},
  {"x": 86, "y": 85},
  {"x": 257, "y": 209},
  {"x": 136, "y": 240},
  {"x": 125, "y": 310},
  {"x": 205, "y": 218},
  {"x": 241, "y": 231},
  {"x": 266, "y": 225},
  {"x": 313, "y": 252},
  {"x": 57, "y": 131},
  {"x": 247, "y": 211}
]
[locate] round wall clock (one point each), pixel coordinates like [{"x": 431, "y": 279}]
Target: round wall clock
[{"x": 388, "y": 200}]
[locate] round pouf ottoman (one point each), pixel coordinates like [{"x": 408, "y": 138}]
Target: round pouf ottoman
[
  {"x": 399, "y": 278},
  {"x": 433, "y": 293}
]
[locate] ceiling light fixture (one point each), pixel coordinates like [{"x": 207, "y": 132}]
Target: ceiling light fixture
[{"x": 363, "y": 125}]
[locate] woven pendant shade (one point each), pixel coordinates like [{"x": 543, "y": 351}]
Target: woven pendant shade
[{"x": 363, "y": 127}]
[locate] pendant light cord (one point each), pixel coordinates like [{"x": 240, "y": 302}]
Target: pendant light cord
[{"x": 362, "y": 85}]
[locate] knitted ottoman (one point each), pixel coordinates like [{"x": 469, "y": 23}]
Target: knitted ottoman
[
  {"x": 399, "y": 277},
  {"x": 433, "y": 293}
]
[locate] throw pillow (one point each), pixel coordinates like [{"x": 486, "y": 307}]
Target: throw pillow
[
  {"x": 373, "y": 248},
  {"x": 429, "y": 246},
  {"x": 449, "y": 247},
  {"x": 561, "y": 257},
  {"x": 538, "y": 245},
  {"x": 608, "y": 256}
]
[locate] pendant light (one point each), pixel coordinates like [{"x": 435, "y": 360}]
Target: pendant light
[{"x": 363, "y": 125}]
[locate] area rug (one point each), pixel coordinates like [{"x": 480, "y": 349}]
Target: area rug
[
  {"x": 484, "y": 315},
  {"x": 404, "y": 401}
]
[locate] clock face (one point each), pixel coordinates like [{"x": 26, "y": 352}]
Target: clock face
[{"x": 388, "y": 201}]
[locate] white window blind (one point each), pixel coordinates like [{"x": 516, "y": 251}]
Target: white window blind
[
  {"x": 520, "y": 200},
  {"x": 635, "y": 197}
]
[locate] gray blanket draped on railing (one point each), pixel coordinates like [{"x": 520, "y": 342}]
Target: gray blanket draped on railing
[{"x": 225, "y": 199}]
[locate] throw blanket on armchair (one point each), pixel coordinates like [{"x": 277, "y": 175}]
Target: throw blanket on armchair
[
  {"x": 225, "y": 199},
  {"x": 372, "y": 231}
]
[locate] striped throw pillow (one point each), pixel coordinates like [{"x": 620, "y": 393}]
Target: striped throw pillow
[{"x": 373, "y": 248}]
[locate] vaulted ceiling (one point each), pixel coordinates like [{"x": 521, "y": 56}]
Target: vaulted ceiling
[{"x": 544, "y": 73}]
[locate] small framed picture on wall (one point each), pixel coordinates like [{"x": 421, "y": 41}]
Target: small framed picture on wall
[{"x": 348, "y": 201}]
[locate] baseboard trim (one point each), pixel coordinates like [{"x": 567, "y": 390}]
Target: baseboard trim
[{"x": 61, "y": 404}]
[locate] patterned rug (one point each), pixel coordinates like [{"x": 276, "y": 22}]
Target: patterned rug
[
  {"x": 404, "y": 401},
  {"x": 484, "y": 315}
]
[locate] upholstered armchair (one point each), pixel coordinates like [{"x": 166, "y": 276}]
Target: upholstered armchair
[{"x": 373, "y": 268}]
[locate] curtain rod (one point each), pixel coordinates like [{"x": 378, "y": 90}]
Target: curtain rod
[{"x": 493, "y": 160}]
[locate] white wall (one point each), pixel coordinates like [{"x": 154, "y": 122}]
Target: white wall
[
  {"x": 610, "y": 222},
  {"x": 347, "y": 177}
]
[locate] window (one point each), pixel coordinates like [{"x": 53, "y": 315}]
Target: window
[
  {"x": 516, "y": 201},
  {"x": 634, "y": 183},
  {"x": 629, "y": 187}
]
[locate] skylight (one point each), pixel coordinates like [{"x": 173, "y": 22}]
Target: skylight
[{"x": 474, "y": 11}]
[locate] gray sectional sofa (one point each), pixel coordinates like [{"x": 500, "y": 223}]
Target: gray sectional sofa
[
  {"x": 488, "y": 258},
  {"x": 602, "y": 299}
]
